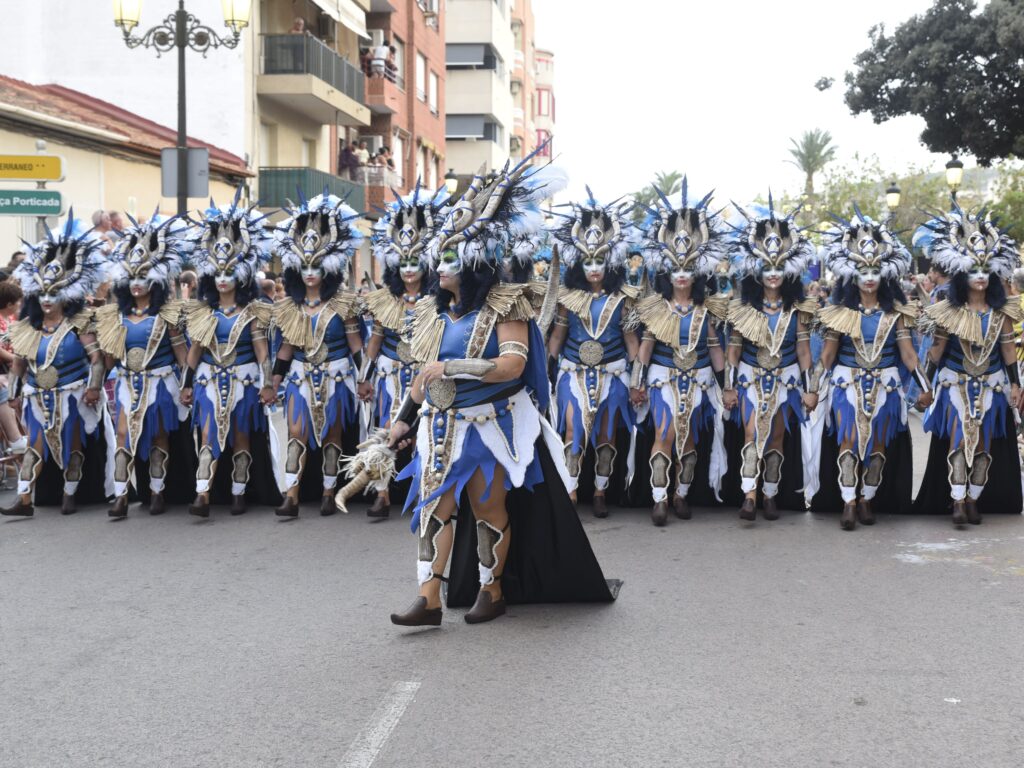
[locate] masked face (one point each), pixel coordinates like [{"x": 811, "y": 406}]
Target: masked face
[
  {"x": 593, "y": 269},
  {"x": 868, "y": 279},
  {"x": 448, "y": 267},
  {"x": 978, "y": 278},
  {"x": 409, "y": 269},
  {"x": 772, "y": 277},
  {"x": 225, "y": 282},
  {"x": 48, "y": 303},
  {"x": 682, "y": 278},
  {"x": 138, "y": 286},
  {"x": 312, "y": 276}
]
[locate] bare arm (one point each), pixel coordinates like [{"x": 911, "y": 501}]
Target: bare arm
[
  {"x": 559, "y": 333},
  {"x": 632, "y": 344},
  {"x": 355, "y": 339},
  {"x": 178, "y": 347},
  {"x": 830, "y": 350},
  {"x": 803, "y": 347},
  {"x": 646, "y": 351}
]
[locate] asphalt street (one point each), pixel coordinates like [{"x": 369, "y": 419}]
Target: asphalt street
[{"x": 170, "y": 641}]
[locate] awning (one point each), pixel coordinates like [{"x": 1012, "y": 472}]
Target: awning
[{"x": 346, "y": 13}]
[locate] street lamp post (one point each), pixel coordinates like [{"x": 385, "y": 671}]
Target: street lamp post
[
  {"x": 954, "y": 175},
  {"x": 892, "y": 198},
  {"x": 451, "y": 182},
  {"x": 182, "y": 30}
]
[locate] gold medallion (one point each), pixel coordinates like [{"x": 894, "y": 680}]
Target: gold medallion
[
  {"x": 767, "y": 360},
  {"x": 135, "y": 359},
  {"x": 591, "y": 353},
  {"x": 441, "y": 393},
  {"x": 405, "y": 353},
  {"x": 47, "y": 377},
  {"x": 684, "y": 359}
]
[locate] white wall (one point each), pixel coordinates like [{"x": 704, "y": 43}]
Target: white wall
[{"x": 74, "y": 43}]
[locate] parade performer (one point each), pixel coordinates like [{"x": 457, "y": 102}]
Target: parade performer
[
  {"x": 681, "y": 363},
  {"x": 399, "y": 242},
  {"x": 867, "y": 339},
  {"x": 228, "y": 370},
  {"x": 977, "y": 381},
  {"x": 141, "y": 336},
  {"x": 768, "y": 371},
  {"x": 591, "y": 343},
  {"x": 58, "y": 368},
  {"x": 322, "y": 342},
  {"x": 478, "y": 401}
]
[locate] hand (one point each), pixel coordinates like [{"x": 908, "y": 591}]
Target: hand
[
  {"x": 432, "y": 372},
  {"x": 91, "y": 396},
  {"x": 365, "y": 391},
  {"x": 15, "y": 403},
  {"x": 637, "y": 396},
  {"x": 1015, "y": 395},
  {"x": 396, "y": 438},
  {"x": 268, "y": 395},
  {"x": 185, "y": 395},
  {"x": 924, "y": 400},
  {"x": 730, "y": 399},
  {"x": 810, "y": 400}
]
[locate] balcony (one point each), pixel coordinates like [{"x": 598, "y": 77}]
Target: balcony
[
  {"x": 309, "y": 78},
  {"x": 279, "y": 185},
  {"x": 383, "y": 96}
]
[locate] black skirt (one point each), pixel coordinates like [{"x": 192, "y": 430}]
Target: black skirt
[{"x": 893, "y": 495}]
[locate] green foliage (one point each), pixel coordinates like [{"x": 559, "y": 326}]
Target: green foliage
[
  {"x": 811, "y": 154},
  {"x": 669, "y": 182},
  {"x": 1009, "y": 205},
  {"x": 955, "y": 66}
]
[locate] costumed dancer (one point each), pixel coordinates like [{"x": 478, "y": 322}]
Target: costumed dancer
[
  {"x": 867, "y": 337},
  {"x": 681, "y": 363},
  {"x": 322, "y": 342},
  {"x": 591, "y": 344},
  {"x": 141, "y": 336},
  {"x": 399, "y": 242},
  {"x": 480, "y": 428},
  {"x": 58, "y": 370},
  {"x": 768, "y": 370},
  {"x": 228, "y": 371},
  {"x": 977, "y": 382}
]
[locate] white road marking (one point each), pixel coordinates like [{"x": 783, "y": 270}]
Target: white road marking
[{"x": 368, "y": 744}]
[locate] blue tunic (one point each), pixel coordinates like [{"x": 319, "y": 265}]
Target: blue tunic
[
  {"x": 788, "y": 349},
  {"x": 611, "y": 338},
  {"x": 454, "y": 346},
  {"x": 71, "y": 362},
  {"x": 954, "y": 359},
  {"x": 334, "y": 338},
  {"x": 663, "y": 353},
  {"x": 137, "y": 337},
  {"x": 869, "y": 329},
  {"x": 244, "y": 352}
]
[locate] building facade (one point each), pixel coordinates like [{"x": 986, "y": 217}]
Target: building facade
[
  {"x": 544, "y": 101},
  {"x": 522, "y": 82}
]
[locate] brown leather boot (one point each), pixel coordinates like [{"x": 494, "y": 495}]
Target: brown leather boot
[
  {"x": 18, "y": 509},
  {"x": 848, "y": 521},
  {"x": 120, "y": 508},
  {"x": 959, "y": 513},
  {"x": 865, "y": 515},
  {"x": 156, "y": 504},
  {"x": 771, "y": 510},
  {"x": 749, "y": 510},
  {"x": 380, "y": 508},
  {"x": 68, "y": 506},
  {"x": 238, "y": 505},
  {"x": 289, "y": 508},
  {"x": 418, "y": 615},
  {"x": 199, "y": 508},
  {"x": 973, "y": 515},
  {"x": 327, "y": 505},
  {"x": 659, "y": 515},
  {"x": 600, "y": 507},
  {"x": 485, "y": 609},
  {"x": 682, "y": 507}
]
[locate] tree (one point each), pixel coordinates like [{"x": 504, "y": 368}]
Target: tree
[
  {"x": 1009, "y": 208},
  {"x": 811, "y": 154},
  {"x": 668, "y": 182},
  {"x": 956, "y": 67}
]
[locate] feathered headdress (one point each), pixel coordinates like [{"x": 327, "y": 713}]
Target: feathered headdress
[
  {"x": 960, "y": 241},
  {"x": 770, "y": 241},
  {"x": 152, "y": 251},
  {"x": 494, "y": 212},
  {"x": 594, "y": 230},
  {"x": 406, "y": 226},
  {"x": 689, "y": 237},
  {"x": 863, "y": 242},
  {"x": 231, "y": 239},
  {"x": 320, "y": 232},
  {"x": 67, "y": 266}
]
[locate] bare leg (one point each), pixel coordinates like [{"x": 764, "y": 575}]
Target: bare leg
[
  {"x": 661, "y": 467},
  {"x": 603, "y": 463},
  {"x": 331, "y": 452},
  {"x": 493, "y": 538},
  {"x": 773, "y": 466},
  {"x": 573, "y": 461}
]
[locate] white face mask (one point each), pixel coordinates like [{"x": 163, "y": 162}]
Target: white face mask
[
  {"x": 868, "y": 280},
  {"x": 978, "y": 279},
  {"x": 312, "y": 273},
  {"x": 138, "y": 285},
  {"x": 594, "y": 269},
  {"x": 682, "y": 277},
  {"x": 773, "y": 276},
  {"x": 450, "y": 265},
  {"x": 410, "y": 270},
  {"x": 225, "y": 282},
  {"x": 47, "y": 303}
]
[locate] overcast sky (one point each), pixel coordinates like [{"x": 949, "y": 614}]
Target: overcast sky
[{"x": 714, "y": 89}]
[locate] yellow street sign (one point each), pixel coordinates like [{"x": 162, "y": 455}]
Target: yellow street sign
[{"x": 32, "y": 167}]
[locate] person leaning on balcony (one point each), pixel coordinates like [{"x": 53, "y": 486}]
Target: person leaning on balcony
[
  {"x": 379, "y": 61},
  {"x": 348, "y": 162}
]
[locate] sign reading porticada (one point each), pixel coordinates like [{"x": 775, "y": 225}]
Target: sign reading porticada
[{"x": 31, "y": 202}]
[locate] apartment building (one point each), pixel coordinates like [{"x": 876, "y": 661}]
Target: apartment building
[{"x": 544, "y": 100}]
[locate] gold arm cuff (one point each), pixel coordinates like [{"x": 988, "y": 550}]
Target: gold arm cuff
[{"x": 514, "y": 348}]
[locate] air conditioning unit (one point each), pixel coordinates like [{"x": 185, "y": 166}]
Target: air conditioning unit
[
  {"x": 376, "y": 37},
  {"x": 373, "y": 142}
]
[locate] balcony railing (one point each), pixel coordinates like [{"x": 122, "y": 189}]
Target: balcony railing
[
  {"x": 305, "y": 55},
  {"x": 278, "y": 185}
]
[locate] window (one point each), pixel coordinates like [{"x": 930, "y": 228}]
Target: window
[
  {"x": 399, "y": 62},
  {"x": 543, "y": 136},
  {"x": 543, "y": 101},
  {"x": 421, "y": 166},
  {"x": 461, "y": 127},
  {"x": 421, "y": 77},
  {"x": 432, "y": 92},
  {"x": 398, "y": 158}
]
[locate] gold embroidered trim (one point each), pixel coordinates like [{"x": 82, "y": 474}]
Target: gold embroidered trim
[
  {"x": 961, "y": 322},
  {"x": 297, "y": 327},
  {"x": 387, "y": 309},
  {"x": 200, "y": 323},
  {"x": 24, "y": 339},
  {"x": 111, "y": 331}
]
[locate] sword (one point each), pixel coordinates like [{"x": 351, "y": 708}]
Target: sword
[{"x": 550, "y": 305}]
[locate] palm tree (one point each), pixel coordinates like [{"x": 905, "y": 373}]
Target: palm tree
[
  {"x": 668, "y": 182},
  {"x": 813, "y": 152}
]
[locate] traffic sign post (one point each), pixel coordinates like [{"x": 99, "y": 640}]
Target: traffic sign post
[
  {"x": 31, "y": 168},
  {"x": 31, "y": 202}
]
